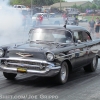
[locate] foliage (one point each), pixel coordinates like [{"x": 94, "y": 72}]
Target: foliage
[
  {"x": 97, "y": 2},
  {"x": 98, "y": 7},
  {"x": 34, "y": 2},
  {"x": 75, "y": 6},
  {"x": 83, "y": 8},
  {"x": 93, "y": 6}
]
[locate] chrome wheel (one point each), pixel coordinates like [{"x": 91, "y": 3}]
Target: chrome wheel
[
  {"x": 63, "y": 73},
  {"x": 94, "y": 62},
  {"x": 62, "y": 76},
  {"x": 92, "y": 66}
]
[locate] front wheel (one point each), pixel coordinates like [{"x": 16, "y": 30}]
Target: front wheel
[
  {"x": 9, "y": 76},
  {"x": 62, "y": 76},
  {"x": 92, "y": 66}
]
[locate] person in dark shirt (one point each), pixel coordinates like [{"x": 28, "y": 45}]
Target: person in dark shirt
[
  {"x": 91, "y": 26},
  {"x": 97, "y": 25},
  {"x": 76, "y": 20}
]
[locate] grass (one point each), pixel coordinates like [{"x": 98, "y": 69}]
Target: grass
[{"x": 90, "y": 17}]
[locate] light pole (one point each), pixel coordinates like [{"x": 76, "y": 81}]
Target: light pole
[
  {"x": 60, "y": 4},
  {"x": 31, "y": 8}
]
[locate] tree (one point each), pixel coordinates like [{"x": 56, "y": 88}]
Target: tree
[
  {"x": 75, "y": 6},
  {"x": 79, "y": 8},
  {"x": 97, "y": 2},
  {"x": 98, "y": 7},
  {"x": 93, "y": 6},
  {"x": 34, "y": 2}
]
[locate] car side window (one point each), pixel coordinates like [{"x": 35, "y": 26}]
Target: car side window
[
  {"x": 68, "y": 35},
  {"x": 86, "y": 36},
  {"x": 63, "y": 36},
  {"x": 78, "y": 36}
]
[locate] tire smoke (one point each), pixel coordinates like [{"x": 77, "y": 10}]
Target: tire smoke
[{"x": 11, "y": 23}]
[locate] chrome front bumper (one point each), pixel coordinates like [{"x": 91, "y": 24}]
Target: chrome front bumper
[{"x": 49, "y": 70}]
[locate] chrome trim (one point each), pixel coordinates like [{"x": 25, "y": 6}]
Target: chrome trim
[
  {"x": 25, "y": 65},
  {"x": 30, "y": 60},
  {"x": 2, "y": 51},
  {"x": 68, "y": 55},
  {"x": 50, "y": 68},
  {"x": 49, "y": 71},
  {"x": 24, "y": 54}
]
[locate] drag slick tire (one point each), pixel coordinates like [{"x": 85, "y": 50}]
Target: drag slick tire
[
  {"x": 92, "y": 66},
  {"x": 9, "y": 76},
  {"x": 62, "y": 76}
]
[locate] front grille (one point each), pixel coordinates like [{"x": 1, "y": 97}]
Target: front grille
[
  {"x": 33, "y": 68},
  {"x": 24, "y": 64}
]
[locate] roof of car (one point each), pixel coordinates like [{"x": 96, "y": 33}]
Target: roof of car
[
  {"x": 18, "y": 5},
  {"x": 40, "y": 13},
  {"x": 68, "y": 27}
]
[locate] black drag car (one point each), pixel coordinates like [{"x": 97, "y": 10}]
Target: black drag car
[{"x": 51, "y": 51}]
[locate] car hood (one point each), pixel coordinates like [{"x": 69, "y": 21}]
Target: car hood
[
  {"x": 34, "y": 50},
  {"x": 37, "y": 50},
  {"x": 35, "y": 46}
]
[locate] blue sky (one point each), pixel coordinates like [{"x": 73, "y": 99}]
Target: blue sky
[{"x": 77, "y": 0}]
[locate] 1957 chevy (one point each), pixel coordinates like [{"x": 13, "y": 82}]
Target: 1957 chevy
[{"x": 51, "y": 51}]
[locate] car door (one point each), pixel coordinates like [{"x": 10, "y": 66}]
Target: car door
[
  {"x": 80, "y": 50},
  {"x": 91, "y": 46}
]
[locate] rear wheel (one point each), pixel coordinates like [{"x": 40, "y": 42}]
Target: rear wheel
[
  {"x": 62, "y": 76},
  {"x": 92, "y": 66},
  {"x": 9, "y": 76}
]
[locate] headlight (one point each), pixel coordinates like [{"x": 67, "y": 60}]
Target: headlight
[
  {"x": 1, "y": 52},
  {"x": 50, "y": 56}
]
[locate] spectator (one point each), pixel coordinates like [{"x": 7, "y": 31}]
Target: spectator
[
  {"x": 91, "y": 26},
  {"x": 66, "y": 20},
  {"x": 39, "y": 19},
  {"x": 97, "y": 25},
  {"x": 64, "y": 16},
  {"x": 76, "y": 20}
]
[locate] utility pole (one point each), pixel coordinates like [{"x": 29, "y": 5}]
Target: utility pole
[
  {"x": 31, "y": 7},
  {"x": 60, "y": 4}
]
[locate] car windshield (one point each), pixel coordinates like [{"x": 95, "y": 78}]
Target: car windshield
[{"x": 51, "y": 35}]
